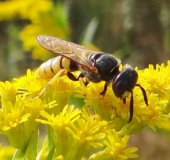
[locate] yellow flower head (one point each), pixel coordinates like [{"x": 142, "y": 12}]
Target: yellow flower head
[
  {"x": 7, "y": 92},
  {"x": 44, "y": 17},
  {"x": 29, "y": 84},
  {"x": 115, "y": 148}
]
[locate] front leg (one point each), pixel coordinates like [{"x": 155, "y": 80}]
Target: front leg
[{"x": 73, "y": 78}]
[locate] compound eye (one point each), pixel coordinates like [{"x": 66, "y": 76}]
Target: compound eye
[
  {"x": 125, "y": 82},
  {"x": 94, "y": 57}
]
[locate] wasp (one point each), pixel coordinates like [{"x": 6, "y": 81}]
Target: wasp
[{"x": 93, "y": 65}]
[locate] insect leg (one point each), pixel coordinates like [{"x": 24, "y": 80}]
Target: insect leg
[
  {"x": 144, "y": 93},
  {"x": 131, "y": 107},
  {"x": 62, "y": 71},
  {"x": 73, "y": 78},
  {"x": 124, "y": 100},
  {"x": 104, "y": 91}
]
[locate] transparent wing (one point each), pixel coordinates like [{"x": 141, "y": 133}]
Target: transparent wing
[{"x": 77, "y": 53}]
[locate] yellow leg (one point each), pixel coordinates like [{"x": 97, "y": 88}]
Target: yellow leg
[{"x": 51, "y": 82}]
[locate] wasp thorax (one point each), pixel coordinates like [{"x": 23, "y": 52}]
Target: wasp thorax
[{"x": 106, "y": 64}]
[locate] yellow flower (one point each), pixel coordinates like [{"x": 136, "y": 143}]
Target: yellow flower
[
  {"x": 90, "y": 130},
  {"x": 156, "y": 80},
  {"x": 52, "y": 21},
  {"x": 59, "y": 124},
  {"x": 68, "y": 115},
  {"x": 45, "y": 18},
  {"x": 59, "y": 91},
  {"x": 17, "y": 111},
  {"x": 106, "y": 106},
  {"x": 29, "y": 84},
  {"x": 157, "y": 84},
  {"x": 46, "y": 25},
  {"x": 75, "y": 132},
  {"x": 115, "y": 148},
  {"x": 7, "y": 92},
  {"x": 24, "y": 9},
  {"x": 11, "y": 119}
]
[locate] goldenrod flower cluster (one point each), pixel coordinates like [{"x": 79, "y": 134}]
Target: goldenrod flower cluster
[
  {"x": 96, "y": 129},
  {"x": 44, "y": 18}
]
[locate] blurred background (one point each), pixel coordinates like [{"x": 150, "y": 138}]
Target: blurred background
[{"x": 136, "y": 31}]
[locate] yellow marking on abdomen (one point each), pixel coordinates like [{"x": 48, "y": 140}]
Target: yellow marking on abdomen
[{"x": 51, "y": 67}]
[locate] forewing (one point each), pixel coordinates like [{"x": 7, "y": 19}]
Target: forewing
[{"x": 77, "y": 53}]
